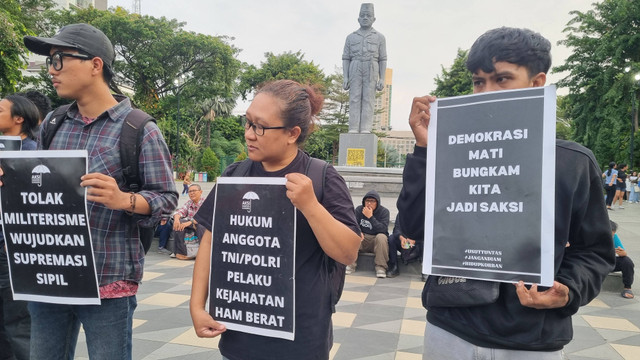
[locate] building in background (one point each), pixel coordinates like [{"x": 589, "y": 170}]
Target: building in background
[
  {"x": 382, "y": 107},
  {"x": 98, "y": 4},
  {"x": 402, "y": 141}
]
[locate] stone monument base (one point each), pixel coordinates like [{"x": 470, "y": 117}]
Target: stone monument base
[{"x": 358, "y": 150}]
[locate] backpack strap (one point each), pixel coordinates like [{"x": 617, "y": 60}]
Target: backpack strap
[
  {"x": 242, "y": 169},
  {"x": 130, "y": 145},
  {"x": 317, "y": 171},
  {"x": 55, "y": 121}
]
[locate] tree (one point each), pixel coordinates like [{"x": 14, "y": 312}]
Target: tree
[
  {"x": 151, "y": 53},
  {"x": 604, "y": 41},
  {"x": 230, "y": 127},
  {"x": 288, "y": 65},
  {"x": 334, "y": 120},
  {"x": 210, "y": 164},
  {"x": 18, "y": 18},
  {"x": 212, "y": 107},
  {"x": 455, "y": 81}
]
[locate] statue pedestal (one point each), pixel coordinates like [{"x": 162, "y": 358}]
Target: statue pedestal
[{"x": 358, "y": 150}]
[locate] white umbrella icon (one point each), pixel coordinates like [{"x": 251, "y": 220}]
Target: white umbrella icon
[
  {"x": 246, "y": 200},
  {"x": 36, "y": 174}
]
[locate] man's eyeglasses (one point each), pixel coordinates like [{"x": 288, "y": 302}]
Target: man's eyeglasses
[
  {"x": 55, "y": 60},
  {"x": 257, "y": 128},
  {"x": 193, "y": 191}
]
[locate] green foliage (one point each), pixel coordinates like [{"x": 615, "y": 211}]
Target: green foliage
[
  {"x": 154, "y": 52},
  {"x": 334, "y": 117},
  {"x": 387, "y": 156},
  {"x": 230, "y": 128},
  {"x": 241, "y": 156},
  {"x": 210, "y": 164},
  {"x": 18, "y": 18},
  {"x": 604, "y": 41},
  {"x": 288, "y": 65},
  {"x": 455, "y": 81}
]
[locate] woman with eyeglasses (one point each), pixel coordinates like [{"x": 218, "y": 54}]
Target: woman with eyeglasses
[{"x": 278, "y": 121}]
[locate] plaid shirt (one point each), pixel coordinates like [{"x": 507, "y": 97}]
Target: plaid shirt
[
  {"x": 189, "y": 209},
  {"x": 118, "y": 252}
]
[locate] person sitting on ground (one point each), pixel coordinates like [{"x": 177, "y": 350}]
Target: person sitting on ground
[
  {"x": 183, "y": 221},
  {"x": 623, "y": 263},
  {"x": 163, "y": 231},
  {"x": 409, "y": 249},
  {"x": 373, "y": 219}
]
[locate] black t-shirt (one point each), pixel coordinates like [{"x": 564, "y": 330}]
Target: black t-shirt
[
  {"x": 622, "y": 178},
  {"x": 314, "y": 332}
]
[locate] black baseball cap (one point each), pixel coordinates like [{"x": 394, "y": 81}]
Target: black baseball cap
[{"x": 76, "y": 36}]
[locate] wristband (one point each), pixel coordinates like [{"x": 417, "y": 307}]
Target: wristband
[{"x": 132, "y": 202}]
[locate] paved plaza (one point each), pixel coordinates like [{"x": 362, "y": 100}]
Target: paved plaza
[{"x": 376, "y": 318}]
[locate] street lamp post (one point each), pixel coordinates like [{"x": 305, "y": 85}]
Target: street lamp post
[
  {"x": 633, "y": 113},
  {"x": 178, "y": 82}
]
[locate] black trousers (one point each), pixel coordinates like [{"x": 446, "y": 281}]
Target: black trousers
[{"x": 624, "y": 264}]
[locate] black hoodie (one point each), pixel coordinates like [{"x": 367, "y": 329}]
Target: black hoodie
[
  {"x": 580, "y": 219},
  {"x": 378, "y": 223}
]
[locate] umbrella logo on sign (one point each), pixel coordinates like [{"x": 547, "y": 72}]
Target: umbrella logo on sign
[
  {"x": 36, "y": 174},
  {"x": 246, "y": 200},
  {"x": 1, "y": 146}
]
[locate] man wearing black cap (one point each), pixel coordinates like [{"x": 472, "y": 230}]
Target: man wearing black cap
[{"x": 79, "y": 60}]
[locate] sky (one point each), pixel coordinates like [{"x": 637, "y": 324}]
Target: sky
[{"x": 421, "y": 35}]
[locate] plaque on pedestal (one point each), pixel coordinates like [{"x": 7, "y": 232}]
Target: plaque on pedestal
[{"x": 358, "y": 150}]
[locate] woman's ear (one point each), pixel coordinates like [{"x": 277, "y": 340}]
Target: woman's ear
[{"x": 294, "y": 134}]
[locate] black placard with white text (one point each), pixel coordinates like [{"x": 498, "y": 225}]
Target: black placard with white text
[
  {"x": 491, "y": 186},
  {"x": 10, "y": 143},
  {"x": 253, "y": 257},
  {"x": 46, "y": 228}
]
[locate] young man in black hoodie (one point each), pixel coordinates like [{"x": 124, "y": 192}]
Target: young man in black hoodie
[
  {"x": 520, "y": 322},
  {"x": 373, "y": 219}
]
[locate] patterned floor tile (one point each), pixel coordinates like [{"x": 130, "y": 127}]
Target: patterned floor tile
[
  {"x": 166, "y": 299},
  {"x": 610, "y": 323},
  {"x": 190, "y": 338},
  {"x": 413, "y": 327},
  {"x": 627, "y": 352}
]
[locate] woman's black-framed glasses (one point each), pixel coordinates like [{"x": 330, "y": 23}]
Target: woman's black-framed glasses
[
  {"x": 257, "y": 128},
  {"x": 55, "y": 60}
]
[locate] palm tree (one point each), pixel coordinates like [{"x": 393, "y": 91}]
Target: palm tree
[{"x": 215, "y": 106}]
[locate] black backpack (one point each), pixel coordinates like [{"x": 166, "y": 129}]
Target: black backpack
[
  {"x": 130, "y": 143},
  {"x": 316, "y": 170}
]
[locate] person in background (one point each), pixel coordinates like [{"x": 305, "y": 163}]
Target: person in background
[
  {"x": 18, "y": 117},
  {"x": 42, "y": 102},
  {"x": 163, "y": 231},
  {"x": 183, "y": 220},
  {"x": 186, "y": 182},
  {"x": 409, "y": 249},
  {"x": 609, "y": 177},
  {"x": 633, "y": 182},
  {"x": 278, "y": 121},
  {"x": 373, "y": 219},
  {"x": 624, "y": 263},
  {"x": 621, "y": 185},
  {"x": 517, "y": 322}
]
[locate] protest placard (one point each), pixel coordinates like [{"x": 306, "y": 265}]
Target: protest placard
[
  {"x": 46, "y": 228},
  {"x": 491, "y": 185},
  {"x": 253, "y": 257},
  {"x": 10, "y": 143}
]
